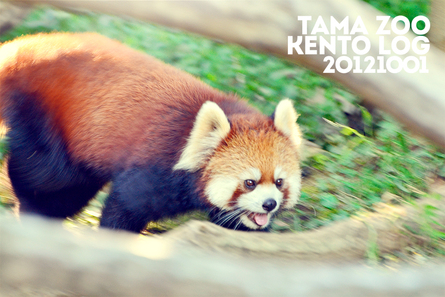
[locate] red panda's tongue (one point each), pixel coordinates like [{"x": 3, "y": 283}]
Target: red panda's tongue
[{"x": 260, "y": 219}]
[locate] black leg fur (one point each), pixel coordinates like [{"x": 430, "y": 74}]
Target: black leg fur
[
  {"x": 141, "y": 195},
  {"x": 42, "y": 174}
]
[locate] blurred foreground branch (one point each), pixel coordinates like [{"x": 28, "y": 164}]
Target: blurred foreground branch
[
  {"x": 202, "y": 259},
  {"x": 416, "y": 99},
  {"x": 437, "y": 17},
  {"x": 11, "y": 15}
]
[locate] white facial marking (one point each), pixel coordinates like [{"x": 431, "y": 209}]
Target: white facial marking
[
  {"x": 253, "y": 201},
  {"x": 220, "y": 190},
  {"x": 294, "y": 184},
  {"x": 279, "y": 173},
  {"x": 251, "y": 173}
]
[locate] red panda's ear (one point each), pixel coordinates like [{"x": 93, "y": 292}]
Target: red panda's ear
[
  {"x": 285, "y": 120},
  {"x": 210, "y": 127}
]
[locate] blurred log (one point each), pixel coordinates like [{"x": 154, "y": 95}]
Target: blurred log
[
  {"x": 437, "y": 18},
  {"x": 390, "y": 229},
  {"x": 39, "y": 257},
  {"x": 417, "y": 99},
  {"x": 11, "y": 15}
]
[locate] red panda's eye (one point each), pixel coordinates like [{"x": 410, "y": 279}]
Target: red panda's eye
[
  {"x": 250, "y": 184},
  {"x": 279, "y": 183}
]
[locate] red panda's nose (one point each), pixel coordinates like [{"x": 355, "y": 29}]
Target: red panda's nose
[{"x": 269, "y": 204}]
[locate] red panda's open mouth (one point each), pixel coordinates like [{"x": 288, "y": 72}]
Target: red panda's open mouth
[{"x": 261, "y": 219}]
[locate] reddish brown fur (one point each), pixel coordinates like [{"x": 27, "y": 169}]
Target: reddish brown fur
[
  {"x": 253, "y": 142},
  {"x": 114, "y": 106},
  {"x": 238, "y": 192},
  {"x": 84, "y": 109},
  {"x": 264, "y": 148}
]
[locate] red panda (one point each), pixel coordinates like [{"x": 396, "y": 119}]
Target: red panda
[{"x": 83, "y": 110}]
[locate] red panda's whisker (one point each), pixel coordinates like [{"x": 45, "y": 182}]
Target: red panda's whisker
[
  {"x": 229, "y": 216},
  {"x": 225, "y": 217},
  {"x": 237, "y": 216},
  {"x": 238, "y": 224}
]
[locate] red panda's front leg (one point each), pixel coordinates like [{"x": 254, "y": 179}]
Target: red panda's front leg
[{"x": 142, "y": 195}]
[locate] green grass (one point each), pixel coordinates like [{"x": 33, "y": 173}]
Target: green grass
[
  {"x": 410, "y": 9},
  {"x": 357, "y": 165}
]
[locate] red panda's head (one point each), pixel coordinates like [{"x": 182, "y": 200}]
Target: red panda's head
[{"x": 249, "y": 163}]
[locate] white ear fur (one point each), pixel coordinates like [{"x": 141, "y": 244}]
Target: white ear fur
[
  {"x": 285, "y": 119},
  {"x": 211, "y": 126}
]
